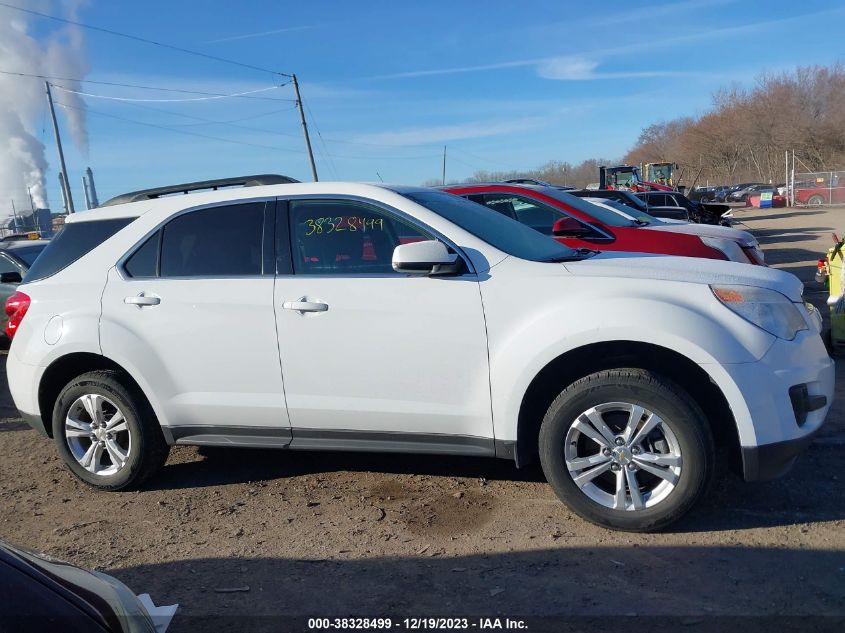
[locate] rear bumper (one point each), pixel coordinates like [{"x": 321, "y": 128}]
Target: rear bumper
[{"x": 24, "y": 381}]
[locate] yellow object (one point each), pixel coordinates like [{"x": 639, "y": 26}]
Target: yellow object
[
  {"x": 835, "y": 271},
  {"x": 837, "y": 322}
]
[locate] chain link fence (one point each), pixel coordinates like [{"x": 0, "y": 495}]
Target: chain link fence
[{"x": 818, "y": 188}]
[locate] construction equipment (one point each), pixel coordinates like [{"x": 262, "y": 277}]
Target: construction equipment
[
  {"x": 662, "y": 173},
  {"x": 628, "y": 177}
]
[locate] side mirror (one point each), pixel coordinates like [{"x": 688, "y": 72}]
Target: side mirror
[
  {"x": 10, "y": 278},
  {"x": 429, "y": 257},
  {"x": 569, "y": 227}
]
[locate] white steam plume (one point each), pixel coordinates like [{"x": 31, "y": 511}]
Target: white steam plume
[{"x": 23, "y": 102}]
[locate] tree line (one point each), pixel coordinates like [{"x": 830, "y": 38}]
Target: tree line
[{"x": 743, "y": 136}]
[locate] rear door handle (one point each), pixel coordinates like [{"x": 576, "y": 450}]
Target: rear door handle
[
  {"x": 143, "y": 300},
  {"x": 305, "y": 306}
]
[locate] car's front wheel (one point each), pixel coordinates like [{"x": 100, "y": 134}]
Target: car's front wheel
[
  {"x": 106, "y": 431},
  {"x": 627, "y": 449}
]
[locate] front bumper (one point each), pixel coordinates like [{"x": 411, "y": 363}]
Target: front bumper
[
  {"x": 774, "y": 427},
  {"x": 770, "y": 461}
]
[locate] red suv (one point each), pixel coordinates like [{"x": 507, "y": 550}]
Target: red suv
[{"x": 580, "y": 224}]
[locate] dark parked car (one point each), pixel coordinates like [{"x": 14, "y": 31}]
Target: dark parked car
[
  {"x": 701, "y": 212},
  {"x": 672, "y": 212},
  {"x": 743, "y": 194},
  {"x": 707, "y": 194},
  {"x": 722, "y": 196},
  {"x": 42, "y": 594}
]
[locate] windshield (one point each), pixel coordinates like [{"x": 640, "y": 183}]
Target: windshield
[
  {"x": 632, "y": 200},
  {"x": 605, "y": 216},
  {"x": 631, "y": 212},
  {"x": 497, "y": 230},
  {"x": 28, "y": 253}
]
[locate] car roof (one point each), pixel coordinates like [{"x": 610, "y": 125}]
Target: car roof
[
  {"x": 498, "y": 183},
  {"x": 177, "y": 202}
]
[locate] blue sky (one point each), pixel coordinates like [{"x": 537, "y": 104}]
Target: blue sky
[{"x": 503, "y": 85}]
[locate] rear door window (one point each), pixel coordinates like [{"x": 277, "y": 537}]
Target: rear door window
[
  {"x": 74, "y": 241},
  {"x": 225, "y": 241},
  {"x": 144, "y": 261}
]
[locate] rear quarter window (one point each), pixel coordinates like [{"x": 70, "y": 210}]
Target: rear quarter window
[{"x": 73, "y": 242}]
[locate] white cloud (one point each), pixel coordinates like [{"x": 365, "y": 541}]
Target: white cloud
[{"x": 583, "y": 67}]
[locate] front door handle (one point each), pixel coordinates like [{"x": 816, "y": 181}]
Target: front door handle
[
  {"x": 143, "y": 300},
  {"x": 305, "y": 306}
]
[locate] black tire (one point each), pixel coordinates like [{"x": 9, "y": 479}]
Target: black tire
[
  {"x": 149, "y": 449},
  {"x": 815, "y": 201},
  {"x": 655, "y": 393}
]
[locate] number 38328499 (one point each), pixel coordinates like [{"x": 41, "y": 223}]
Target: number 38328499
[{"x": 325, "y": 226}]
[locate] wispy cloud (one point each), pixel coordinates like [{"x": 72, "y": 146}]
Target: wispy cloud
[
  {"x": 582, "y": 69},
  {"x": 247, "y": 36},
  {"x": 446, "y": 133},
  {"x": 585, "y": 66},
  {"x": 458, "y": 69}
]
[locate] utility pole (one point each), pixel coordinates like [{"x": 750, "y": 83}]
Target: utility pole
[
  {"x": 66, "y": 182},
  {"x": 444, "y": 165},
  {"x": 304, "y": 127},
  {"x": 15, "y": 213}
]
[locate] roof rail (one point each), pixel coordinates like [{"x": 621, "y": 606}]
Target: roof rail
[{"x": 189, "y": 187}]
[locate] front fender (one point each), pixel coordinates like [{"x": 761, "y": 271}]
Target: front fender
[{"x": 524, "y": 342}]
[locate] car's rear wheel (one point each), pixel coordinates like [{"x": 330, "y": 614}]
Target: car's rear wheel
[
  {"x": 627, "y": 449},
  {"x": 815, "y": 201},
  {"x": 106, "y": 431}
]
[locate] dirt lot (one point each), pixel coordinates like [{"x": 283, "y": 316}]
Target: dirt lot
[{"x": 343, "y": 534}]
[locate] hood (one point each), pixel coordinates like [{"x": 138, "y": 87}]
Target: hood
[
  {"x": 707, "y": 230},
  {"x": 619, "y": 265}
]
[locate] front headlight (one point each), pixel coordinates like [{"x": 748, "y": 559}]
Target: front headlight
[
  {"x": 767, "y": 309},
  {"x": 815, "y": 315},
  {"x": 729, "y": 248}
]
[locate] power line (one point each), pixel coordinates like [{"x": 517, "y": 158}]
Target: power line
[
  {"x": 323, "y": 143},
  {"x": 140, "y": 87},
  {"x": 230, "y": 121},
  {"x": 132, "y": 99},
  {"x": 205, "y": 121},
  {"x": 178, "y": 131},
  {"x": 144, "y": 40}
]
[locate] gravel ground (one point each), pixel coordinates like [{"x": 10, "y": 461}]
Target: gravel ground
[{"x": 236, "y": 533}]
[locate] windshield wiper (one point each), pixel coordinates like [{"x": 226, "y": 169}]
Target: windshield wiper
[
  {"x": 641, "y": 222},
  {"x": 580, "y": 253}
]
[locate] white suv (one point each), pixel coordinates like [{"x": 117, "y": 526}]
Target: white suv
[{"x": 373, "y": 318}]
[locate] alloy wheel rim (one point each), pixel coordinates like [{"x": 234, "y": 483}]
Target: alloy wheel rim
[
  {"x": 97, "y": 435},
  {"x": 623, "y": 456}
]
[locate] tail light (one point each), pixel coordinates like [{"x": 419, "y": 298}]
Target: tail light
[{"x": 16, "y": 307}]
